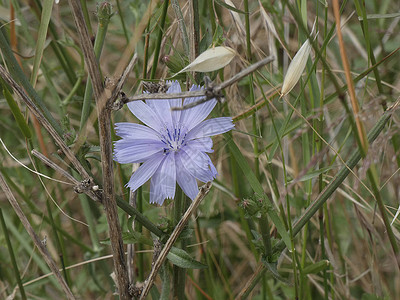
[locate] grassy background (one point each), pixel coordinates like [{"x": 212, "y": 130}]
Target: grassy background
[{"x": 344, "y": 251}]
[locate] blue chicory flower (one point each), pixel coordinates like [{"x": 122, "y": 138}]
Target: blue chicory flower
[{"x": 173, "y": 145}]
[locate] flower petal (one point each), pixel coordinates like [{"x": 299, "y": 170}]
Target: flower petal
[
  {"x": 145, "y": 114},
  {"x": 135, "y": 131},
  {"x": 193, "y": 116},
  {"x": 185, "y": 180},
  {"x": 196, "y": 164},
  {"x": 162, "y": 110},
  {"x": 145, "y": 171},
  {"x": 177, "y": 102},
  {"x": 210, "y": 127},
  {"x": 202, "y": 144},
  {"x": 163, "y": 182},
  {"x": 135, "y": 151}
]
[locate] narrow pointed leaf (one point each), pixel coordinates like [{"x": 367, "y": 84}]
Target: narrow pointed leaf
[
  {"x": 317, "y": 267},
  {"x": 182, "y": 259}
]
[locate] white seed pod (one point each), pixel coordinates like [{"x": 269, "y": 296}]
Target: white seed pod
[
  {"x": 296, "y": 68},
  {"x": 211, "y": 60}
]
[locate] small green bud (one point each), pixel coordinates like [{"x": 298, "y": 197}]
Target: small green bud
[
  {"x": 251, "y": 207},
  {"x": 256, "y": 206},
  {"x": 174, "y": 63},
  {"x": 104, "y": 11}
]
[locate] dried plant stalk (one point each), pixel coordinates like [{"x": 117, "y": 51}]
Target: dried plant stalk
[{"x": 104, "y": 116}]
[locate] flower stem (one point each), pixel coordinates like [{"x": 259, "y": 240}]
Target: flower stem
[
  {"x": 179, "y": 273},
  {"x": 265, "y": 234}
]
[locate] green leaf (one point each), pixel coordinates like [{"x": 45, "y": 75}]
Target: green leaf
[
  {"x": 182, "y": 259},
  {"x": 317, "y": 267},
  {"x": 222, "y": 3},
  {"x": 131, "y": 238},
  {"x": 272, "y": 268},
  {"x": 312, "y": 174}
]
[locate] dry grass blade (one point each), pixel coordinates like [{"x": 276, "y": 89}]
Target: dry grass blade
[
  {"x": 41, "y": 247},
  {"x": 354, "y": 103}
]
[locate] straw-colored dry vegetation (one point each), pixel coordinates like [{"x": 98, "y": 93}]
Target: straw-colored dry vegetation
[{"x": 308, "y": 181}]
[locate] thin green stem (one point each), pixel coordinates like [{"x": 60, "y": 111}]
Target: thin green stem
[
  {"x": 139, "y": 217},
  {"x": 159, "y": 39},
  {"x": 210, "y": 6},
  {"x": 58, "y": 243},
  {"x": 364, "y": 26},
  {"x": 121, "y": 16},
  {"x": 12, "y": 256},
  {"x": 72, "y": 92},
  {"x": 139, "y": 227},
  {"x": 251, "y": 89},
  {"x": 90, "y": 219},
  {"x": 179, "y": 274}
]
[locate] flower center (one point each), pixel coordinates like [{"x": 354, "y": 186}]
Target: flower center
[{"x": 173, "y": 138}]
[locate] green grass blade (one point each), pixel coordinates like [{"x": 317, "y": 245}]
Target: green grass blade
[
  {"x": 40, "y": 43},
  {"x": 19, "y": 118},
  {"x": 12, "y": 256}
]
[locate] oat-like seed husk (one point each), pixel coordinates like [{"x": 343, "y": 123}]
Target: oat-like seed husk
[
  {"x": 211, "y": 60},
  {"x": 296, "y": 68}
]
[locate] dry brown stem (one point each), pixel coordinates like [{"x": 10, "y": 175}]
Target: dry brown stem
[{"x": 104, "y": 116}]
